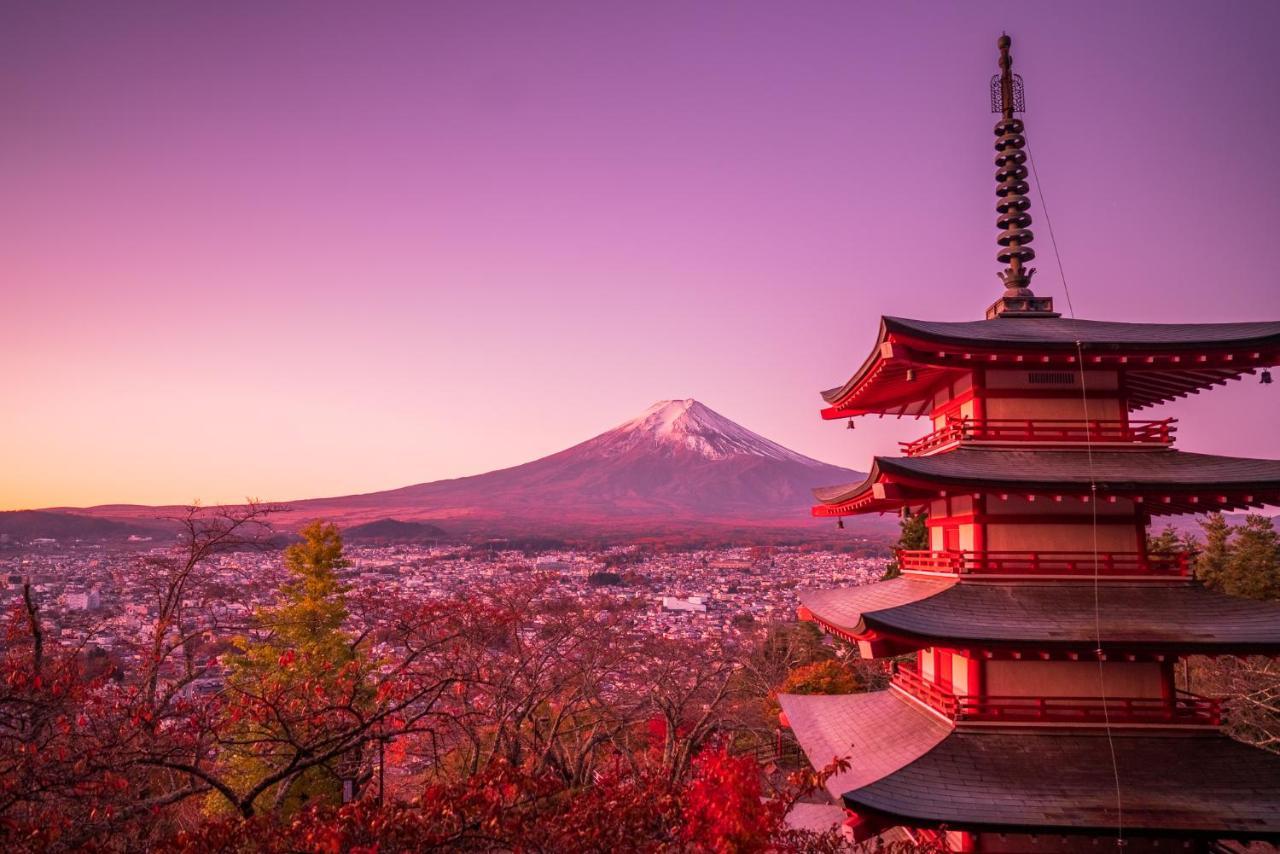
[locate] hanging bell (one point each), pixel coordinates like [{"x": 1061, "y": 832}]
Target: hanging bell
[
  {"x": 850, "y": 425},
  {"x": 839, "y": 523}
]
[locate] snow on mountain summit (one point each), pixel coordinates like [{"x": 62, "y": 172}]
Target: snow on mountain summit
[
  {"x": 676, "y": 467},
  {"x": 691, "y": 426}
]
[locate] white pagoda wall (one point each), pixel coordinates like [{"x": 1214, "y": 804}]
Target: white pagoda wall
[
  {"x": 1065, "y": 537},
  {"x": 1072, "y": 678},
  {"x": 1051, "y": 409},
  {"x": 1055, "y": 404},
  {"x": 1118, "y": 529},
  {"x": 967, "y": 409}
]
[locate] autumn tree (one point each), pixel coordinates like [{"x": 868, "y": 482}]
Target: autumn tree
[
  {"x": 726, "y": 804},
  {"x": 85, "y": 755},
  {"x": 774, "y": 654},
  {"x": 1250, "y": 690},
  {"x": 178, "y": 583},
  {"x": 822, "y": 677},
  {"x": 1242, "y": 561},
  {"x": 301, "y": 651},
  {"x": 522, "y": 718},
  {"x": 40, "y": 698}
]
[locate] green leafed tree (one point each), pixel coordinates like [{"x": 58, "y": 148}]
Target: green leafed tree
[
  {"x": 1166, "y": 541},
  {"x": 1211, "y": 563},
  {"x": 1253, "y": 564},
  {"x": 912, "y": 536},
  {"x": 296, "y": 678}
]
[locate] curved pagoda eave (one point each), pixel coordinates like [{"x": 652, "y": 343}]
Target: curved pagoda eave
[
  {"x": 885, "y": 730},
  {"x": 908, "y": 767},
  {"x": 1207, "y": 786},
  {"x": 912, "y": 359},
  {"x": 1165, "y": 481},
  {"x": 909, "y": 612}
]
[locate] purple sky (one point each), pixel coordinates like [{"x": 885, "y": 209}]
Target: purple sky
[{"x": 292, "y": 250}]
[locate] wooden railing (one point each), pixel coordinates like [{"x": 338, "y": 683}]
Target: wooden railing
[
  {"x": 1183, "y": 709},
  {"x": 1175, "y": 564},
  {"x": 908, "y": 678},
  {"x": 1051, "y": 430}
]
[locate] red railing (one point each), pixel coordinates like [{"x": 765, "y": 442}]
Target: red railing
[
  {"x": 1045, "y": 563},
  {"x": 908, "y": 678},
  {"x": 1051, "y": 430},
  {"x": 1183, "y": 709}
]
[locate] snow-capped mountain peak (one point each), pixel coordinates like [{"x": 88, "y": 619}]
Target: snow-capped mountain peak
[
  {"x": 676, "y": 467},
  {"x": 691, "y": 426}
]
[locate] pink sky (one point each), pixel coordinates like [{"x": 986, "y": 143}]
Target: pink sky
[{"x": 294, "y": 250}]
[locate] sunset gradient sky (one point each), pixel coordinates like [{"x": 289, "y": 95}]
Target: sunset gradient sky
[{"x": 303, "y": 249}]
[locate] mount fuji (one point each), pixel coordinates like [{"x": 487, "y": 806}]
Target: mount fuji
[
  {"x": 679, "y": 462},
  {"x": 679, "y": 465}
]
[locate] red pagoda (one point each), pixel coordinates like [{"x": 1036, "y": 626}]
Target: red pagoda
[{"x": 1040, "y": 708}]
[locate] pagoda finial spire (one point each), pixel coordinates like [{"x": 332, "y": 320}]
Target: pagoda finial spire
[{"x": 1011, "y": 191}]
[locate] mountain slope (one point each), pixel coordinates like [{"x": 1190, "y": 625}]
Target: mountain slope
[
  {"x": 679, "y": 461},
  {"x": 88, "y": 525},
  {"x": 393, "y": 530},
  {"x": 679, "y": 464}
]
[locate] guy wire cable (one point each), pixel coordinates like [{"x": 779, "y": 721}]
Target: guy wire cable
[{"x": 1093, "y": 503}]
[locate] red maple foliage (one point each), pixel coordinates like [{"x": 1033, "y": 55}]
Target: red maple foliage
[{"x": 513, "y": 719}]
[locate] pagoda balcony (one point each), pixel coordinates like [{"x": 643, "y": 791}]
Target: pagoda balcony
[
  {"x": 1047, "y": 563},
  {"x": 1044, "y": 432},
  {"x": 1184, "y": 709}
]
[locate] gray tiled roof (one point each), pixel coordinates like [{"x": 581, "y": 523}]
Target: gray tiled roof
[
  {"x": 1182, "y": 616},
  {"x": 845, "y": 606},
  {"x": 1195, "y": 784},
  {"x": 1096, "y": 337},
  {"x": 1104, "y": 334},
  {"x": 879, "y": 732},
  {"x": 1119, "y": 471}
]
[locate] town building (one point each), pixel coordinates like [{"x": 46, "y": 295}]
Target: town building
[{"x": 1035, "y": 702}]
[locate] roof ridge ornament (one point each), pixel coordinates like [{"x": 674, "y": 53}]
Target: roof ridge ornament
[{"x": 1008, "y": 97}]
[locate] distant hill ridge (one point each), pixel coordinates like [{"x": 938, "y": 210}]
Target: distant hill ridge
[
  {"x": 394, "y": 530},
  {"x": 678, "y": 466},
  {"x": 56, "y": 524}
]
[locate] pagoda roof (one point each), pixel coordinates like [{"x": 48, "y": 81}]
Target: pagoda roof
[
  {"x": 909, "y": 765},
  {"x": 1162, "y": 361},
  {"x": 1133, "y": 617},
  {"x": 1207, "y": 785},
  {"x": 879, "y": 732},
  {"x": 1064, "y": 332},
  {"x": 1151, "y": 475}
]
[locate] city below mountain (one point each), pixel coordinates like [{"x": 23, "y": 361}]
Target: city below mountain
[{"x": 679, "y": 467}]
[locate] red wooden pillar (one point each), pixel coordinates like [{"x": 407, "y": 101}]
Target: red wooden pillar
[
  {"x": 942, "y": 668},
  {"x": 1168, "y": 687},
  {"x": 974, "y": 676},
  {"x": 980, "y": 525},
  {"x": 1142, "y": 518},
  {"x": 1122, "y": 384},
  {"x": 979, "y": 381}
]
